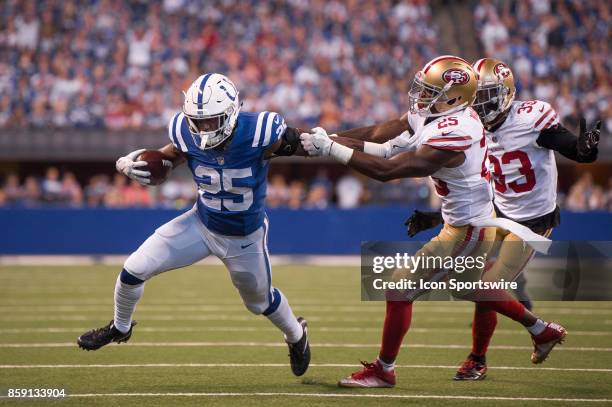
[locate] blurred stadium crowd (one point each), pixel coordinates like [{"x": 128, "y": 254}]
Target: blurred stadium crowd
[
  {"x": 117, "y": 65},
  {"x": 57, "y": 188},
  {"x": 559, "y": 52},
  {"x": 320, "y": 192},
  {"x": 122, "y": 64}
]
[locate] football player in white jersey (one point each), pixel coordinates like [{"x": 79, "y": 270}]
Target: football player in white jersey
[
  {"x": 521, "y": 137},
  {"x": 441, "y": 137}
]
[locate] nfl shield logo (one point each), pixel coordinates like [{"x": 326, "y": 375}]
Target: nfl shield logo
[{"x": 221, "y": 160}]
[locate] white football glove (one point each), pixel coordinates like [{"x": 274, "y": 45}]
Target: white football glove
[
  {"x": 127, "y": 166},
  {"x": 322, "y": 130},
  {"x": 316, "y": 144}
]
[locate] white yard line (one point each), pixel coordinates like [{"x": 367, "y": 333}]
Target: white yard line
[
  {"x": 343, "y": 395},
  {"x": 517, "y": 332},
  {"x": 280, "y": 344},
  {"x": 243, "y": 316},
  {"x": 117, "y": 260},
  {"x": 106, "y": 301},
  {"x": 366, "y": 307},
  {"x": 274, "y": 365}
]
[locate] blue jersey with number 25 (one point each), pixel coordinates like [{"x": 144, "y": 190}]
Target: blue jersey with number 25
[{"x": 232, "y": 180}]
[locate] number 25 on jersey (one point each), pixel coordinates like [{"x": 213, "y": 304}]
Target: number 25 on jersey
[{"x": 223, "y": 180}]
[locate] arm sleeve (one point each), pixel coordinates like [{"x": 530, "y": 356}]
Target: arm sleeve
[{"x": 560, "y": 139}]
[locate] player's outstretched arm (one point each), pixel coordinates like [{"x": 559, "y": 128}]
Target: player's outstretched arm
[
  {"x": 355, "y": 144},
  {"x": 420, "y": 163},
  {"x": 379, "y": 133},
  {"x": 582, "y": 148}
]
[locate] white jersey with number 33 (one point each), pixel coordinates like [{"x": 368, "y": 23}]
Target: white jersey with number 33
[{"x": 524, "y": 174}]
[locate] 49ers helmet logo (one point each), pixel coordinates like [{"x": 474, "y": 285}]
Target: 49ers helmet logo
[
  {"x": 458, "y": 76},
  {"x": 501, "y": 71}
]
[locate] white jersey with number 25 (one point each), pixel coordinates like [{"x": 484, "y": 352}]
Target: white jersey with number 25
[{"x": 465, "y": 190}]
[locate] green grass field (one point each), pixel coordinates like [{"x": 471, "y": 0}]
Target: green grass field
[{"x": 195, "y": 344}]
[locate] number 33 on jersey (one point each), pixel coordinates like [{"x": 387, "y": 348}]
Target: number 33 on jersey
[
  {"x": 520, "y": 167},
  {"x": 232, "y": 179}
]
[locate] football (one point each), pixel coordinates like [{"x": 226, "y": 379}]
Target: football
[{"x": 158, "y": 165}]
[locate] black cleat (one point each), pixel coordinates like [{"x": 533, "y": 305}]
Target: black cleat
[
  {"x": 299, "y": 352},
  {"x": 96, "y": 338},
  {"x": 472, "y": 369}
]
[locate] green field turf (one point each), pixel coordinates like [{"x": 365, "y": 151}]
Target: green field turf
[{"x": 195, "y": 344}]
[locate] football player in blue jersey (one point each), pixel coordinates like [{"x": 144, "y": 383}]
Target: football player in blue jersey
[{"x": 227, "y": 152}]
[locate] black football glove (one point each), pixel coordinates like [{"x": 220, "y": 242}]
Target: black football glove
[
  {"x": 588, "y": 140},
  {"x": 420, "y": 221}
]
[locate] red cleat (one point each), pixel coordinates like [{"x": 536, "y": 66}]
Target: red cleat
[
  {"x": 371, "y": 376},
  {"x": 471, "y": 369},
  {"x": 544, "y": 343}
]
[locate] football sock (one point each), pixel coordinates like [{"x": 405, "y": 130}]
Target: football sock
[
  {"x": 503, "y": 303},
  {"x": 126, "y": 298},
  {"x": 387, "y": 367},
  {"x": 512, "y": 309},
  {"x": 478, "y": 358},
  {"x": 281, "y": 315},
  {"x": 485, "y": 320},
  {"x": 537, "y": 328},
  {"x": 398, "y": 316}
]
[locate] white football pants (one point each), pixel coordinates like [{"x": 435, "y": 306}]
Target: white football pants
[{"x": 185, "y": 240}]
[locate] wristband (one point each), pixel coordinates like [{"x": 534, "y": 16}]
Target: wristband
[
  {"x": 341, "y": 153},
  {"x": 374, "y": 149}
]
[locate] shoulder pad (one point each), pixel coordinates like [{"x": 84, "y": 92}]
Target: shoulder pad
[
  {"x": 269, "y": 127},
  {"x": 536, "y": 114},
  {"x": 454, "y": 132},
  {"x": 175, "y": 132}
]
